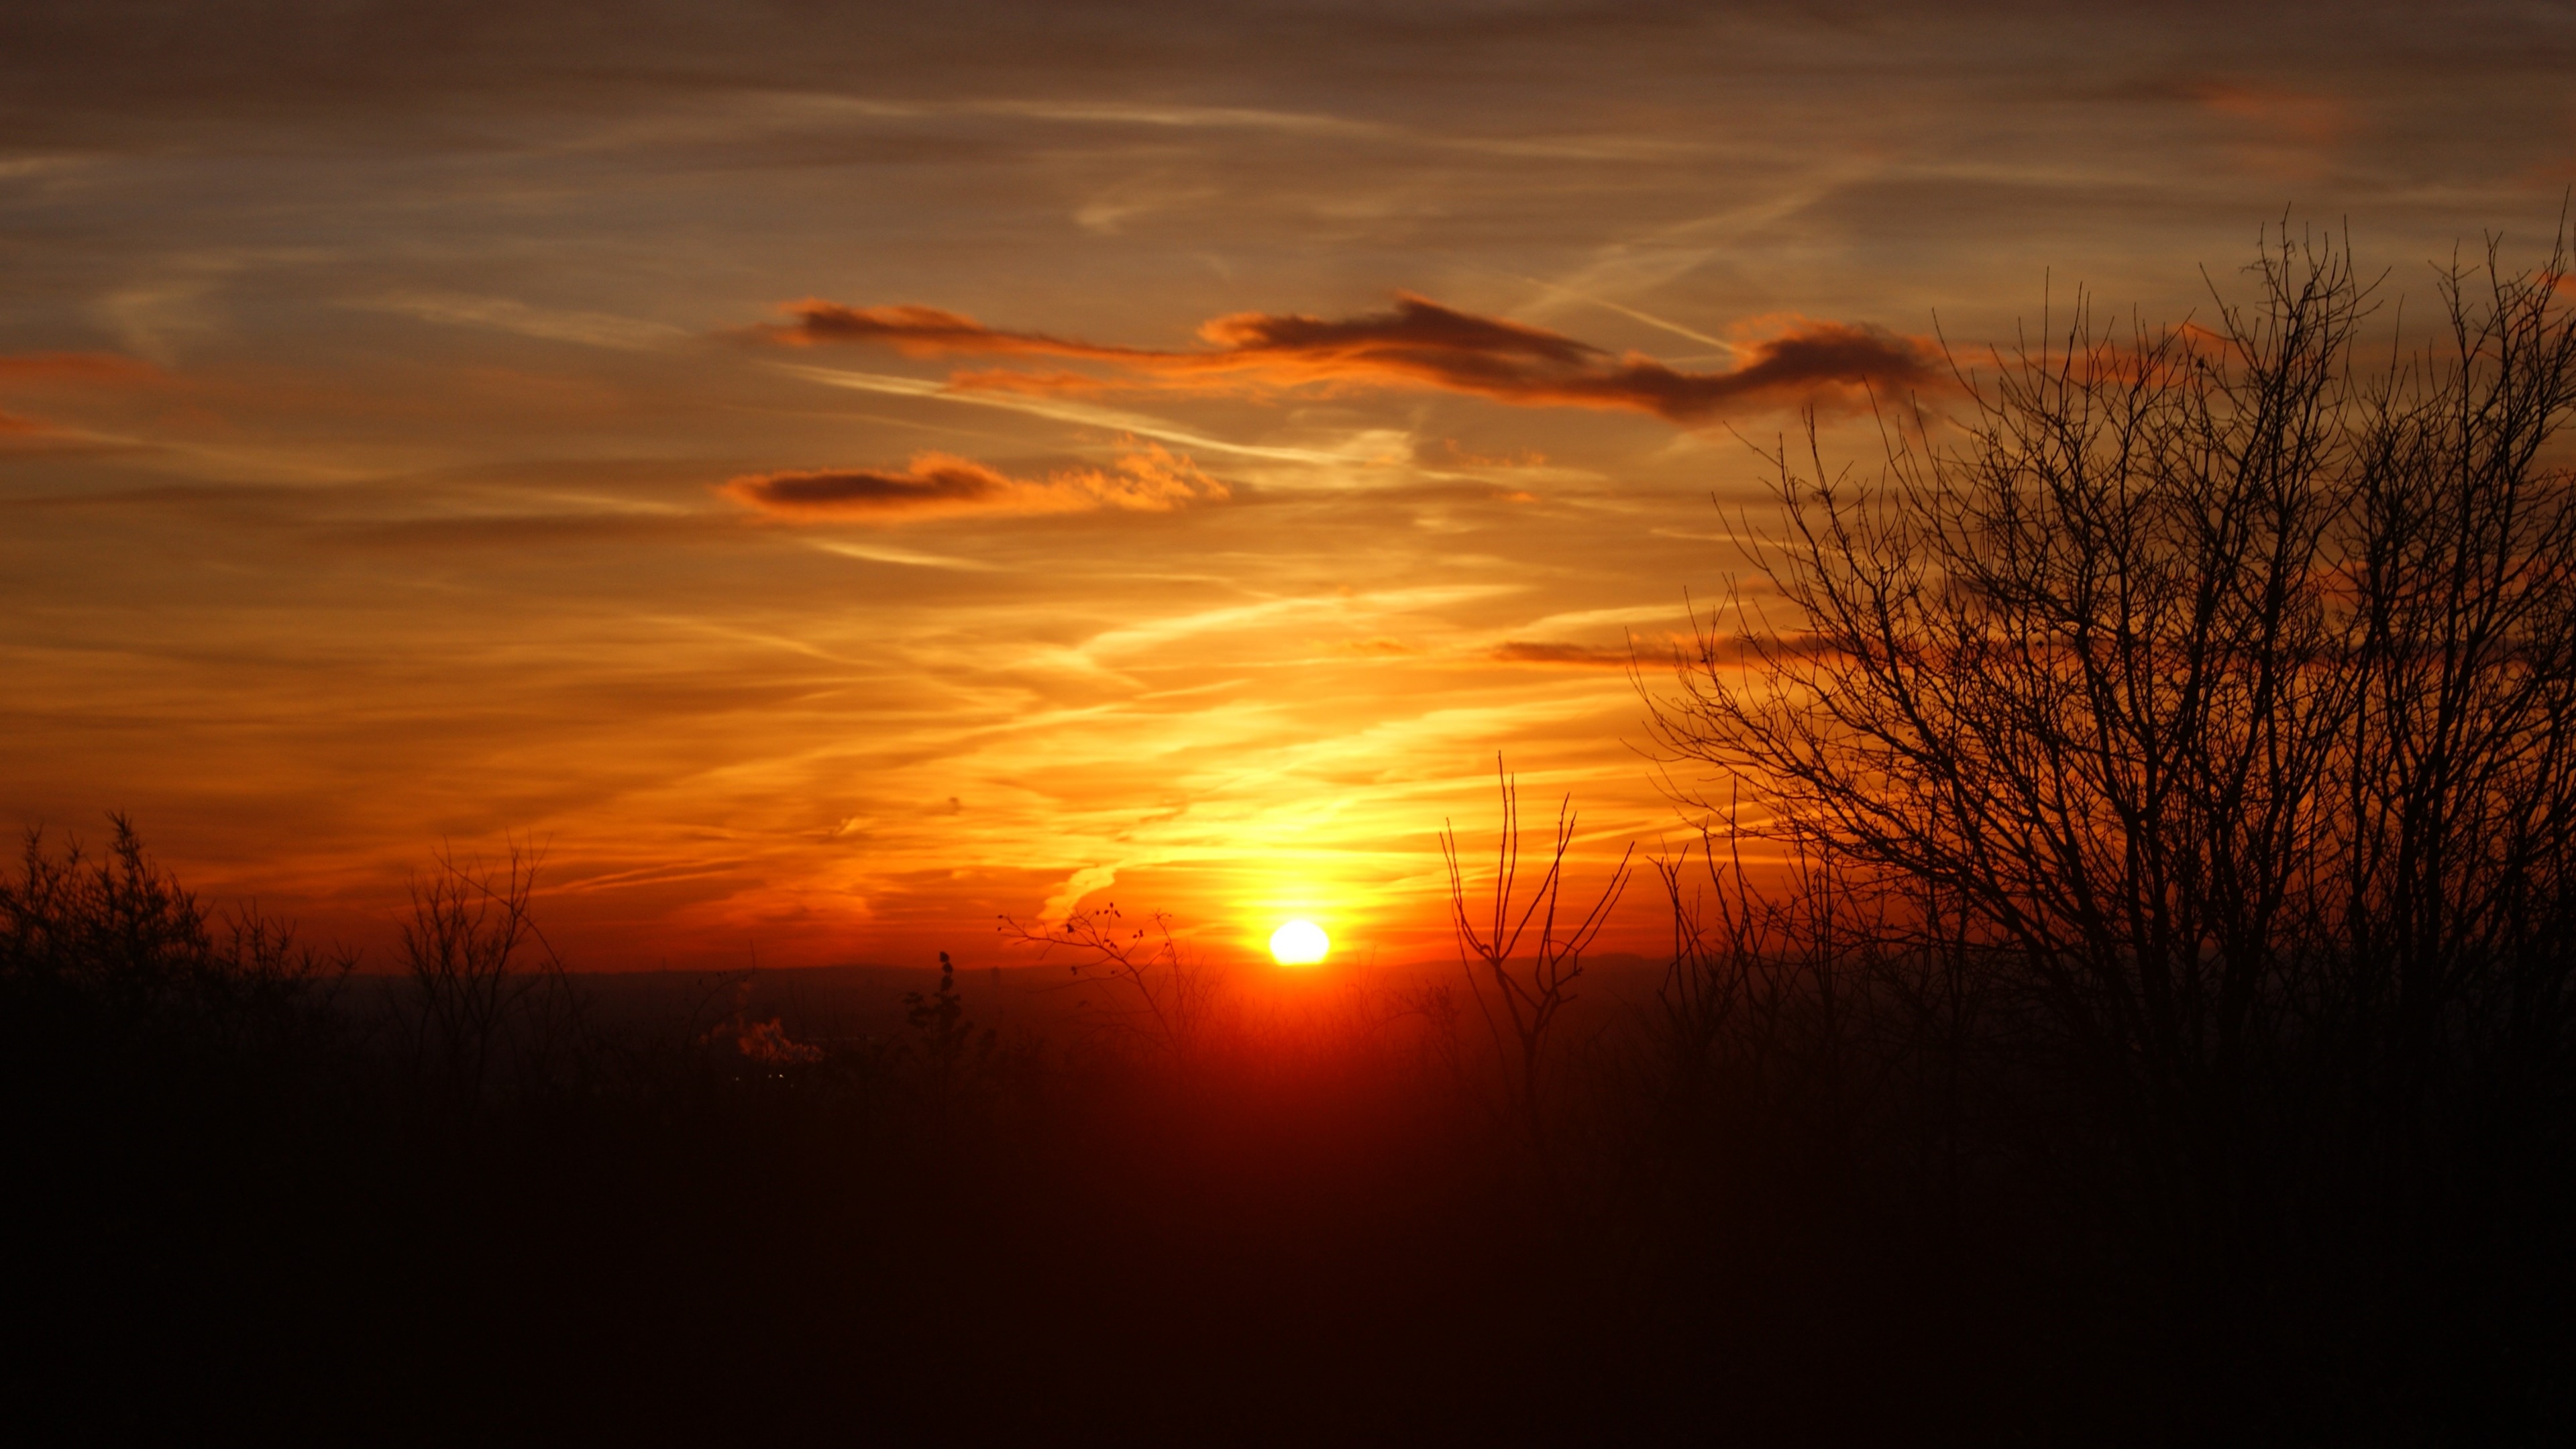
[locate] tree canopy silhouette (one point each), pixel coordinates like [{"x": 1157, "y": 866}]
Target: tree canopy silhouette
[{"x": 2204, "y": 694}]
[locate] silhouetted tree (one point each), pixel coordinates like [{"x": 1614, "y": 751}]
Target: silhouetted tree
[
  {"x": 2193, "y": 715},
  {"x": 1522, "y": 981},
  {"x": 487, "y": 991}
]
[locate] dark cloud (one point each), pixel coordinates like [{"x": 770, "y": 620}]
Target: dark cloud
[
  {"x": 870, "y": 490},
  {"x": 1146, "y": 479},
  {"x": 1579, "y": 655},
  {"x": 1415, "y": 343},
  {"x": 929, "y": 332}
]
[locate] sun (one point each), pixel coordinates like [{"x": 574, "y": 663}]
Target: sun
[{"x": 1299, "y": 943}]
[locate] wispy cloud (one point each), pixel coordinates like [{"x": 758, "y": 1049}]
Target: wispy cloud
[
  {"x": 1587, "y": 618},
  {"x": 88, "y": 367},
  {"x": 50, "y": 373},
  {"x": 941, "y": 485},
  {"x": 1064, "y": 411},
  {"x": 151, "y": 317},
  {"x": 2275, "y": 111},
  {"x": 592, "y": 329},
  {"x": 1310, "y": 126},
  {"x": 1081, "y": 883},
  {"x": 1416, "y": 343},
  {"x": 880, "y": 553},
  {"x": 1372, "y": 606},
  {"x": 1548, "y": 652}
]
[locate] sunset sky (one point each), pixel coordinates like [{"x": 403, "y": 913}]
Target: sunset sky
[{"x": 835, "y": 474}]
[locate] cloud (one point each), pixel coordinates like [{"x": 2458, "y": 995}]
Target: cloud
[
  {"x": 908, "y": 558},
  {"x": 1580, "y": 655},
  {"x": 2304, "y": 116},
  {"x": 1660, "y": 650},
  {"x": 939, "y": 485},
  {"x": 1379, "y": 645},
  {"x": 1081, "y": 883},
  {"x": 593, "y": 329},
  {"x": 50, "y": 372},
  {"x": 154, "y": 315},
  {"x": 929, "y": 332},
  {"x": 94, "y": 367},
  {"x": 1082, "y": 413},
  {"x": 1415, "y": 343}
]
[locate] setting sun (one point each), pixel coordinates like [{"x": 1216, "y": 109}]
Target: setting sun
[{"x": 1299, "y": 943}]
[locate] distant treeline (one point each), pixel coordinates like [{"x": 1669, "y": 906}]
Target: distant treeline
[{"x": 2124, "y": 995}]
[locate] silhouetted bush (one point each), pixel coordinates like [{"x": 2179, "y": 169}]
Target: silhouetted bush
[{"x": 103, "y": 947}]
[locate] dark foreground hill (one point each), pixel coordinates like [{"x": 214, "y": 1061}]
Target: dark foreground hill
[{"x": 247, "y": 1195}]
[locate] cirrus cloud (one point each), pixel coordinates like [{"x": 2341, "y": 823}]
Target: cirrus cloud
[
  {"x": 1584, "y": 656},
  {"x": 1415, "y": 343},
  {"x": 1149, "y": 479},
  {"x": 74, "y": 367}
]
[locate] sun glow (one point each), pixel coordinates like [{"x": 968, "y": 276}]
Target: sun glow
[{"x": 1299, "y": 943}]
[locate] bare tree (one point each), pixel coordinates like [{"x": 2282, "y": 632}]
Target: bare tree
[
  {"x": 1520, "y": 981},
  {"x": 1172, "y": 992},
  {"x": 2207, "y": 703},
  {"x": 2459, "y": 786},
  {"x": 487, "y": 990}
]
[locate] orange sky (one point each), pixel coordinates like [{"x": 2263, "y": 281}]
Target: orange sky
[{"x": 836, "y": 479}]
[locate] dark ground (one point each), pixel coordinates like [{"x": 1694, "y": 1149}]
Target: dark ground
[{"x": 1312, "y": 1216}]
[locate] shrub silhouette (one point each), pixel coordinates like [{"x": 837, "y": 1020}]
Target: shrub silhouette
[
  {"x": 945, "y": 1037},
  {"x": 1172, "y": 992},
  {"x": 115, "y": 944}
]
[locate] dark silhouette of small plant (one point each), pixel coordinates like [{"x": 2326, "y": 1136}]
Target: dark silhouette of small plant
[
  {"x": 942, "y": 1035},
  {"x": 1174, "y": 991}
]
